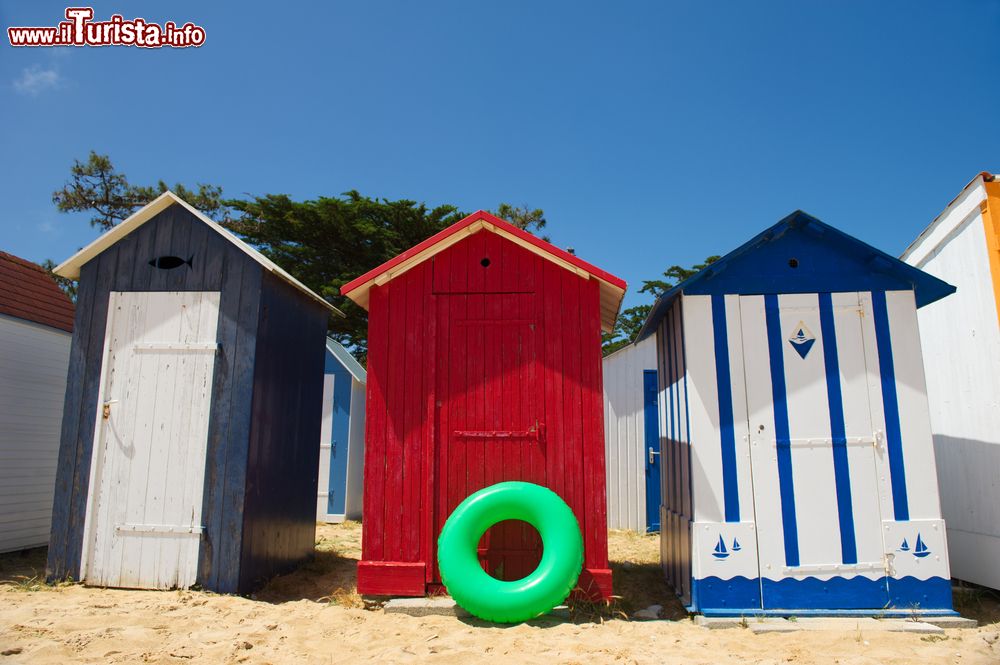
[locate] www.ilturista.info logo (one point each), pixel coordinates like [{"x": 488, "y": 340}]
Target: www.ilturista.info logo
[{"x": 81, "y": 30}]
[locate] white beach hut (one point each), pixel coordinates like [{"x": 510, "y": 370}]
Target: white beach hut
[
  {"x": 961, "y": 346},
  {"x": 632, "y": 437},
  {"x": 36, "y": 325}
]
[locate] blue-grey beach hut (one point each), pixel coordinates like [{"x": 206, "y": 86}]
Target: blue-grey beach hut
[
  {"x": 342, "y": 437},
  {"x": 194, "y": 396}
]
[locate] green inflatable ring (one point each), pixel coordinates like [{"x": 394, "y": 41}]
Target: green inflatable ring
[{"x": 510, "y": 602}]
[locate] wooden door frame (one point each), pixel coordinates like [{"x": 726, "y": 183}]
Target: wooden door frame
[{"x": 97, "y": 450}]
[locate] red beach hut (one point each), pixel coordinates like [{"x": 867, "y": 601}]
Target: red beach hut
[{"x": 484, "y": 365}]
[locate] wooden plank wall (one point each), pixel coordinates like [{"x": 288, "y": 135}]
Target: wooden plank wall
[
  {"x": 407, "y": 475},
  {"x": 217, "y": 265},
  {"x": 676, "y": 511},
  {"x": 279, "y": 516}
]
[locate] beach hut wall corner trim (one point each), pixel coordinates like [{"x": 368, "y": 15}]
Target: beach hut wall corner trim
[
  {"x": 194, "y": 395},
  {"x": 798, "y": 468}
]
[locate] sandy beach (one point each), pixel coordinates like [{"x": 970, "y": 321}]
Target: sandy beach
[{"x": 314, "y": 616}]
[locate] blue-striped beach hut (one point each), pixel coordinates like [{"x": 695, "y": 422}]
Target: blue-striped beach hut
[{"x": 798, "y": 467}]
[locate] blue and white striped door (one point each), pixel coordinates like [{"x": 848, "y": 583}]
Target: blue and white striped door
[{"x": 815, "y": 482}]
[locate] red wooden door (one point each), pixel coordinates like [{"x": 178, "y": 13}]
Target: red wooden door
[{"x": 490, "y": 415}]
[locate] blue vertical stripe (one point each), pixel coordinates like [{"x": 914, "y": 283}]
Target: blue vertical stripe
[
  {"x": 890, "y": 402},
  {"x": 841, "y": 469},
  {"x": 723, "y": 379},
  {"x": 775, "y": 346}
]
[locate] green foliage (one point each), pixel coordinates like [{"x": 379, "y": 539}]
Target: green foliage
[
  {"x": 324, "y": 243},
  {"x": 524, "y": 218},
  {"x": 630, "y": 321},
  {"x": 673, "y": 276},
  {"x": 329, "y": 241},
  {"x": 67, "y": 285},
  {"x": 627, "y": 326},
  {"x": 96, "y": 187}
]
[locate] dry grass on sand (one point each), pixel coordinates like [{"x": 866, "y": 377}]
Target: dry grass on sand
[{"x": 314, "y": 615}]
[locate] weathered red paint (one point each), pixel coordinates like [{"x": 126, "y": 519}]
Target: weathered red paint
[{"x": 479, "y": 374}]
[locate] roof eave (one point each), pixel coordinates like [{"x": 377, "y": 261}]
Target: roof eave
[{"x": 70, "y": 268}]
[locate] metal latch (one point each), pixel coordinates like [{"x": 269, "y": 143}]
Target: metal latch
[
  {"x": 536, "y": 432},
  {"x": 106, "y": 409}
]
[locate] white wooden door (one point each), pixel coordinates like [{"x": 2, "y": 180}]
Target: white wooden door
[
  {"x": 143, "y": 525},
  {"x": 813, "y": 450}
]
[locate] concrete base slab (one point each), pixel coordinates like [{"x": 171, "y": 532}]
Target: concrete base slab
[
  {"x": 950, "y": 622},
  {"x": 772, "y": 625},
  {"x": 444, "y": 606},
  {"x": 764, "y": 625},
  {"x": 441, "y": 606}
]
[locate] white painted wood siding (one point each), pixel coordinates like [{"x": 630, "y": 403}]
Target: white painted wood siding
[
  {"x": 33, "y": 365},
  {"x": 356, "y": 456},
  {"x": 624, "y": 434},
  {"x": 960, "y": 339},
  {"x": 144, "y": 521}
]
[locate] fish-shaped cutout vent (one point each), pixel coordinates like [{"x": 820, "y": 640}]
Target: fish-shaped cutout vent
[{"x": 170, "y": 262}]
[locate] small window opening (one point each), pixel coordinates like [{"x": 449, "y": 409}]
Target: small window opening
[
  {"x": 793, "y": 263},
  {"x": 485, "y": 262}
]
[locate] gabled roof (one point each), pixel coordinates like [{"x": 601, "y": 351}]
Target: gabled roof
[
  {"x": 801, "y": 254},
  {"x": 612, "y": 288},
  {"x": 28, "y": 292},
  {"x": 70, "y": 268},
  {"x": 345, "y": 358},
  {"x": 941, "y": 230}
]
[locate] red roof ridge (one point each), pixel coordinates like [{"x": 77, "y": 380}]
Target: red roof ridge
[{"x": 483, "y": 216}]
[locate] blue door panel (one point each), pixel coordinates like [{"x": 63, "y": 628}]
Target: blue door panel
[{"x": 651, "y": 423}]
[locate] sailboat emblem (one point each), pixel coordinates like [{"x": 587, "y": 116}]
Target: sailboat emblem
[
  {"x": 736, "y": 545},
  {"x": 905, "y": 547},
  {"x": 802, "y": 339},
  {"x": 920, "y": 549},
  {"x": 720, "y": 550}
]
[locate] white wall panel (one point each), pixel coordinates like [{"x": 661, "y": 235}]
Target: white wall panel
[
  {"x": 33, "y": 365},
  {"x": 624, "y": 434},
  {"x": 703, "y": 410}
]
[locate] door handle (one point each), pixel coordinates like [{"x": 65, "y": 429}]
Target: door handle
[{"x": 651, "y": 453}]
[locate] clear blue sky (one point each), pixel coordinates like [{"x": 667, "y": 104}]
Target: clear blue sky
[{"x": 652, "y": 133}]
